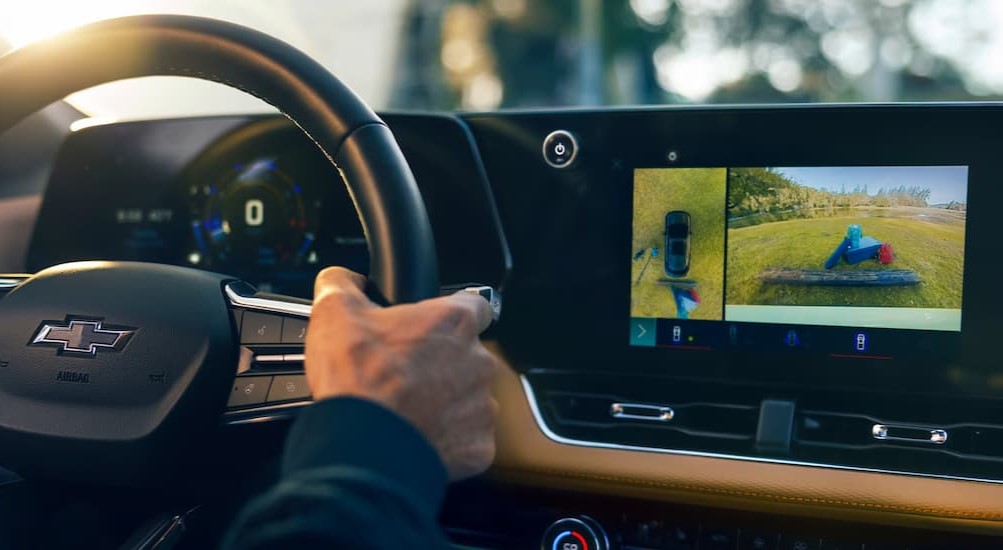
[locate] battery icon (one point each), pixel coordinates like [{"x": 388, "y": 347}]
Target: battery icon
[{"x": 677, "y": 334}]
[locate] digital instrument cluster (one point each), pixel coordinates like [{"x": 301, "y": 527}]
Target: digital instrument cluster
[
  {"x": 264, "y": 205},
  {"x": 255, "y": 216},
  {"x": 253, "y": 198}
]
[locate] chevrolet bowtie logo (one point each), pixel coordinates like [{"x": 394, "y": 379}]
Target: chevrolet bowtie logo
[{"x": 82, "y": 337}]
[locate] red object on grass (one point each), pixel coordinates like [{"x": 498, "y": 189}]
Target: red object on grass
[{"x": 885, "y": 254}]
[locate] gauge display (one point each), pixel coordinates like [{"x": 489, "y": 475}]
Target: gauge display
[{"x": 255, "y": 216}]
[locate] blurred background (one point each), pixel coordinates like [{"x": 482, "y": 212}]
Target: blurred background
[{"x": 491, "y": 54}]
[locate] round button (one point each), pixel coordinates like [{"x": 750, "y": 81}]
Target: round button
[
  {"x": 560, "y": 148},
  {"x": 581, "y": 533}
]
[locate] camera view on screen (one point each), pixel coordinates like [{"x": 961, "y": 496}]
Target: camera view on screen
[
  {"x": 861, "y": 246},
  {"x": 849, "y": 246},
  {"x": 678, "y": 244}
]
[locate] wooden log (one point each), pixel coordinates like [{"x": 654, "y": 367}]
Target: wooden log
[
  {"x": 850, "y": 277},
  {"x": 681, "y": 283}
]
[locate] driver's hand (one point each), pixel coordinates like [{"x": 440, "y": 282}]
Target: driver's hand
[{"x": 424, "y": 361}]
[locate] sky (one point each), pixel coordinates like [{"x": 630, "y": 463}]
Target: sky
[{"x": 946, "y": 183}]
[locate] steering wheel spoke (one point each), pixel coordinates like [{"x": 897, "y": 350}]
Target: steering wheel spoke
[{"x": 270, "y": 382}]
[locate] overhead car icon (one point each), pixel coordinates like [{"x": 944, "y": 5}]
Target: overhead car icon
[{"x": 677, "y": 243}]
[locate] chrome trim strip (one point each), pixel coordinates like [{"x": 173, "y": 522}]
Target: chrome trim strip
[
  {"x": 265, "y": 304},
  {"x": 266, "y": 413},
  {"x": 534, "y": 408},
  {"x": 304, "y": 310},
  {"x": 278, "y": 358},
  {"x": 294, "y": 357},
  {"x": 10, "y": 282}
]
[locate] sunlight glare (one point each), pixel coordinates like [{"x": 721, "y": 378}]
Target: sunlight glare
[{"x": 25, "y": 22}]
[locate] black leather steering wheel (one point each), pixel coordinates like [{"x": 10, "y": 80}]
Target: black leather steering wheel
[{"x": 110, "y": 370}]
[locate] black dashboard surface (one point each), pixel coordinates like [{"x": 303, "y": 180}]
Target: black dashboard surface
[
  {"x": 159, "y": 191},
  {"x": 252, "y": 197}
]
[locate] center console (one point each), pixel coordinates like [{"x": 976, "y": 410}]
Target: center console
[{"x": 805, "y": 285}]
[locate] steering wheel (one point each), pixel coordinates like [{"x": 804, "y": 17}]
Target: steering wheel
[{"x": 115, "y": 371}]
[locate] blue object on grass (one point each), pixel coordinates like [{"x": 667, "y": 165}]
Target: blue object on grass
[
  {"x": 838, "y": 253},
  {"x": 866, "y": 249}
]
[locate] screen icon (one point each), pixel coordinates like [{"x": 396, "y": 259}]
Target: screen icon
[
  {"x": 791, "y": 339},
  {"x": 642, "y": 332},
  {"x": 677, "y": 334},
  {"x": 860, "y": 341}
]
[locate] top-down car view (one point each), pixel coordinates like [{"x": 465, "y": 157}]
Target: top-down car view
[
  {"x": 313, "y": 274},
  {"x": 677, "y": 243}
]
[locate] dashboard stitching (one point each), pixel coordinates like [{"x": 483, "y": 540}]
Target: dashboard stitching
[{"x": 776, "y": 498}]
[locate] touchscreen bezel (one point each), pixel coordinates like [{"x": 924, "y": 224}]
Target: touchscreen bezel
[{"x": 585, "y": 213}]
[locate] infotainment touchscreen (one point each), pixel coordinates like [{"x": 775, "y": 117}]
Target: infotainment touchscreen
[{"x": 818, "y": 257}]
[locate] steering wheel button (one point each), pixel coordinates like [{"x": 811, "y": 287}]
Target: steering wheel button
[
  {"x": 249, "y": 390},
  {"x": 289, "y": 388},
  {"x": 293, "y": 331},
  {"x": 260, "y": 328}
]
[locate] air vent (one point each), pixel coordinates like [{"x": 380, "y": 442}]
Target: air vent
[
  {"x": 866, "y": 440},
  {"x": 874, "y": 432},
  {"x": 666, "y": 419}
]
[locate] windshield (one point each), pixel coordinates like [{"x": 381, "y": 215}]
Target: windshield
[{"x": 489, "y": 54}]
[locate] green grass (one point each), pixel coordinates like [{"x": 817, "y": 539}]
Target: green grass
[
  {"x": 701, "y": 192},
  {"x": 927, "y": 240}
]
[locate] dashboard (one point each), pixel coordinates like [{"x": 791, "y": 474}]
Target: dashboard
[
  {"x": 250, "y": 197},
  {"x": 728, "y": 305}
]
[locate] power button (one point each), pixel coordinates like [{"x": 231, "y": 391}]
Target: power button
[{"x": 560, "y": 148}]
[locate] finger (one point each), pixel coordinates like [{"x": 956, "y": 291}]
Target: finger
[
  {"x": 477, "y": 307},
  {"x": 338, "y": 280}
]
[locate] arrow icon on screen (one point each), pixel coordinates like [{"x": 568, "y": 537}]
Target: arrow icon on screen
[{"x": 641, "y": 331}]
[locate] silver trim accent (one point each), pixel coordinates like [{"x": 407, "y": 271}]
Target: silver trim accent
[
  {"x": 279, "y": 358},
  {"x": 7, "y": 283},
  {"x": 73, "y": 343},
  {"x": 266, "y": 413},
  {"x": 574, "y": 152},
  {"x": 164, "y": 534},
  {"x": 938, "y": 436},
  {"x": 638, "y": 411},
  {"x": 935, "y": 436},
  {"x": 265, "y": 304},
  {"x": 494, "y": 299},
  {"x": 549, "y": 434}
]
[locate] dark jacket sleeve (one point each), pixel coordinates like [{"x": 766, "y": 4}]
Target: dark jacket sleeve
[{"x": 354, "y": 475}]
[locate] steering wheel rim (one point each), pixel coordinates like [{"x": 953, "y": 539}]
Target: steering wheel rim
[{"x": 84, "y": 344}]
